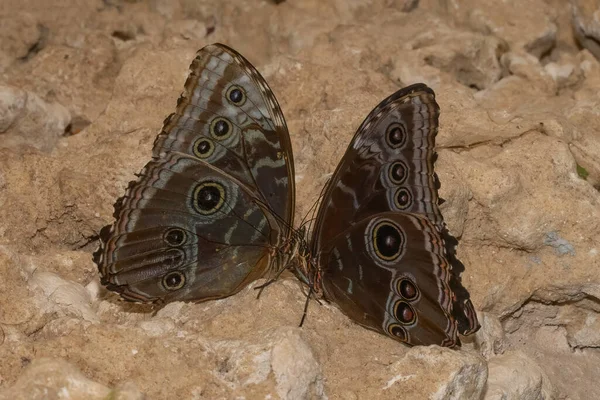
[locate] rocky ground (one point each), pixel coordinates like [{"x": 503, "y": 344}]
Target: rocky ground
[{"x": 84, "y": 88}]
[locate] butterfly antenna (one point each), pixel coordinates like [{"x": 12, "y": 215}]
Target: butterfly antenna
[
  {"x": 310, "y": 292},
  {"x": 310, "y": 211},
  {"x": 311, "y": 221},
  {"x": 313, "y": 218}
]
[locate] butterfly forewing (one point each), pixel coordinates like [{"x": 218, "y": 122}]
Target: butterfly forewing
[
  {"x": 380, "y": 244},
  {"x": 388, "y": 165},
  {"x": 229, "y": 117},
  {"x": 209, "y": 211}
]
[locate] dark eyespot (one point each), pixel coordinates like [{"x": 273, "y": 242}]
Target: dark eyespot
[
  {"x": 404, "y": 313},
  {"x": 236, "y": 95},
  {"x": 403, "y": 198},
  {"x": 397, "y": 332},
  {"x": 407, "y": 289},
  {"x": 398, "y": 172},
  {"x": 396, "y": 135},
  {"x": 203, "y": 148},
  {"x": 208, "y": 197},
  {"x": 388, "y": 241},
  {"x": 173, "y": 280},
  {"x": 220, "y": 128},
  {"x": 175, "y": 237}
]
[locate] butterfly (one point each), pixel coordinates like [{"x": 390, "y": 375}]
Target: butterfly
[
  {"x": 380, "y": 249},
  {"x": 214, "y": 210}
]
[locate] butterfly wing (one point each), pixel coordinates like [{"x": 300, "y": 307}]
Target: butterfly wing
[
  {"x": 229, "y": 117},
  {"x": 207, "y": 214},
  {"x": 386, "y": 179}
]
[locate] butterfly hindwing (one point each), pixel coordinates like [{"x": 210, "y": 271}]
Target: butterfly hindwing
[
  {"x": 387, "y": 280},
  {"x": 206, "y": 215}
]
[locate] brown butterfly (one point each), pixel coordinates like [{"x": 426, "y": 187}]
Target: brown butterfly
[
  {"x": 213, "y": 210},
  {"x": 380, "y": 249}
]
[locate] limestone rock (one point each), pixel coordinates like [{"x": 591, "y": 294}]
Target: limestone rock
[
  {"x": 48, "y": 378},
  {"x": 282, "y": 355},
  {"x": 446, "y": 375},
  {"x": 490, "y": 338},
  {"x": 22, "y": 35},
  {"x": 514, "y": 376},
  {"x": 586, "y": 23},
  {"x": 531, "y": 28},
  {"x": 27, "y": 119}
]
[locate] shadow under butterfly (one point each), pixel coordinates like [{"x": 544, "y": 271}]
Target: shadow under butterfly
[{"x": 214, "y": 209}]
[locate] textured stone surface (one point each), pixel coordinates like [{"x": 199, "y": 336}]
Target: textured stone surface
[
  {"x": 85, "y": 86},
  {"x": 531, "y": 28},
  {"x": 47, "y": 378},
  {"x": 586, "y": 23},
  {"x": 462, "y": 375},
  {"x": 514, "y": 376},
  {"x": 27, "y": 119}
]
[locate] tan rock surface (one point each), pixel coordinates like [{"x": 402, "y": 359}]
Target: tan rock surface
[
  {"x": 586, "y": 24},
  {"x": 85, "y": 86}
]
